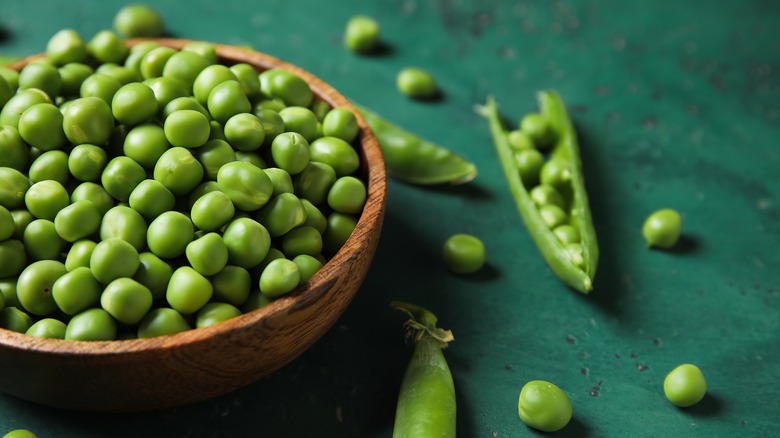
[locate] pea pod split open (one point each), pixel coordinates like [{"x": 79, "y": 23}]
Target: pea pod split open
[{"x": 576, "y": 268}]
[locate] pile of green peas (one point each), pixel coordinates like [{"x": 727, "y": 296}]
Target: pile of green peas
[
  {"x": 145, "y": 191},
  {"x": 547, "y": 179}
]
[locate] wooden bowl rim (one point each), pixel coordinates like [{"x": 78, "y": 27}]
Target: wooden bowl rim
[{"x": 370, "y": 218}]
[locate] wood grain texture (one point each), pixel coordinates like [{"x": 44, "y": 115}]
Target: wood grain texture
[{"x": 169, "y": 371}]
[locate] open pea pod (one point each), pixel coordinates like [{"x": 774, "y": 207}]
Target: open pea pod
[
  {"x": 575, "y": 269},
  {"x": 412, "y": 159}
]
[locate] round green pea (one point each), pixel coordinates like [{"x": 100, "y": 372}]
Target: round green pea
[
  {"x": 166, "y": 90},
  {"x": 308, "y": 265},
  {"x": 41, "y": 127},
  {"x": 280, "y": 277},
  {"x": 231, "y": 285},
  {"x": 169, "y": 234},
  {"x": 213, "y": 313},
  {"x": 78, "y": 220},
  {"x": 101, "y": 86},
  {"x": 46, "y": 198},
  {"x": 290, "y": 151},
  {"x": 178, "y": 170},
  {"x": 145, "y": 144},
  {"x": 245, "y": 184},
  {"x": 361, "y": 34},
  {"x": 226, "y": 100},
  {"x": 153, "y": 273},
  {"x": 94, "y": 193},
  {"x": 209, "y": 78},
  {"x": 112, "y": 259},
  {"x": 416, "y": 83},
  {"x": 314, "y": 217},
  {"x": 79, "y": 254},
  {"x": 87, "y": 161},
  {"x": 552, "y": 215},
  {"x": 76, "y": 291},
  {"x": 204, "y": 49},
  {"x": 341, "y": 123},
  {"x": 555, "y": 173},
  {"x": 42, "y": 76},
  {"x": 336, "y": 153},
  {"x": 538, "y": 129},
  {"x": 188, "y": 291},
  {"x": 545, "y": 194},
  {"x": 247, "y": 241},
  {"x": 34, "y": 287},
  {"x": 212, "y": 210},
  {"x": 13, "y": 187},
  {"x": 662, "y": 229},
  {"x": 529, "y": 163},
  {"x": 125, "y": 223},
  {"x": 289, "y": 87},
  {"x": 162, "y": 321},
  {"x": 66, "y": 46},
  {"x": 281, "y": 180},
  {"x": 88, "y": 120},
  {"x": 185, "y": 103},
  {"x": 49, "y": 328},
  {"x": 187, "y": 128},
  {"x": 519, "y": 140},
  {"x": 21, "y": 218},
  {"x": 208, "y": 254},
  {"x": 15, "y": 320},
  {"x": 544, "y": 406},
  {"x": 50, "y": 165},
  {"x": 303, "y": 240},
  {"x": 126, "y": 300},
  {"x": 340, "y": 227},
  {"x": 300, "y": 120},
  {"x": 248, "y": 77},
  {"x": 184, "y": 66},
  {"x": 13, "y": 258},
  {"x": 244, "y": 131},
  {"x": 93, "y": 324},
  {"x": 154, "y": 61},
  {"x": 213, "y": 155},
  {"x": 347, "y": 195},
  {"x": 124, "y": 75},
  {"x": 19, "y": 102},
  {"x": 273, "y": 124},
  {"x": 138, "y": 20},
  {"x": 567, "y": 234},
  {"x": 107, "y": 47},
  {"x": 685, "y": 385},
  {"x": 14, "y": 152},
  {"x": 134, "y": 103},
  {"x": 8, "y": 291},
  {"x": 252, "y": 158},
  {"x": 151, "y": 198},
  {"x": 464, "y": 254},
  {"x": 73, "y": 76},
  {"x": 281, "y": 214},
  {"x": 120, "y": 176}
]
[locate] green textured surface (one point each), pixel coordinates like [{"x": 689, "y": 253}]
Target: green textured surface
[{"x": 676, "y": 104}]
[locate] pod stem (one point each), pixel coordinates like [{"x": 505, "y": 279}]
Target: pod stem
[{"x": 422, "y": 323}]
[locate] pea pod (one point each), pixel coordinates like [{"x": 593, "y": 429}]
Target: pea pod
[
  {"x": 426, "y": 401},
  {"x": 412, "y": 159},
  {"x": 576, "y": 269}
]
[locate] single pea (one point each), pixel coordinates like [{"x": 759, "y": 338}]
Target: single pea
[
  {"x": 188, "y": 291},
  {"x": 93, "y": 324},
  {"x": 153, "y": 273},
  {"x": 273, "y": 124},
  {"x": 204, "y": 49},
  {"x": 244, "y": 132},
  {"x": 212, "y": 210},
  {"x": 340, "y": 227},
  {"x": 87, "y": 161},
  {"x": 154, "y": 61},
  {"x": 78, "y": 220},
  {"x": 251, "y": 157},
  {"x": 19, "y": 102},
  {"x": 169, "y": 234},
  {"x": 44, "y": 77},
  {"x": 107, "y": 47},
  {"x": 10, "y": 76},
  {"x": 553, "y": 216},
  {"x": 320, "y": 108},
  {"x": 555, "y": 173},
  {"x": 13, "y": 187},
  {"x": 138, "y": 20},
  {"x": 14, "y": 152},
  {"x": 302, "y": 240},
  {"x": 662, "y": 229},
  {"x": 208, "y": 254},
  {"x": 112, "y": 259},
  {"x": 6, "y": 92},
  {"x": 45, "y": 199},
  {"x": 185, "y": 103},
  {"x": 567, "y": 234},
  {"x": 126, "y": 300},
  {"x": 79, "y": 254},
  {"x": 213, "y": 313},
  {"x": 280, "y": 277},
  {"x": 49, "y": 328},
  {"x": 272, "y": 255},
  {"x": 162, "y": 321},
  {"x": 166, "y": 90},
  {"x": 145, "y": 144},
  {"x": 124, "y": 75},
  {"x": 50, "y": 165},
  {"x": 464, "y": 254},
  {"x": 94, "y": 193},
  {"x": 76, "y": 291},
  {"x": 35, "y": 285},
  {"x": 184, "y": 66},
  {"x": 122, "y": 222},
  {"x": 73, "y": 76},
  {"x": 289, "y": 87},
  {"x": 281, "y": 180},
  {"x": 519, "y": 140},
  {"x": 178, "y": 170},
  {"x": 200, "y": 190},
  {"x": 120, "y": 176},
  {"x": 231, "y": 285},
  {"x": 546, "y": 194},
  {"x": 15, "y": 320},
  {"x": 361, "y": 34},
  {"x": 8, "y": 291},
  {"x": 21, "y": 218},
  {"x": 255, "y": 301},
  {"x": 99, "y": 85},
  {"x": 209, "y": 78},
  {"x": 13, "y": 258},
  {"x": 151, "y": 198},
  {"x": 529, "y": 164},
  {"x": 347, "y": 195},
  {"x": 300, "y": 120},
  {"x": 246, "y": 185},
  {"x": 538, "y": 129},
  {"x": 275, "y": 104},
  {"x": 544, "y": 406},
  {"x": 88, "y": 120},
  {"x": 314, "y": 217},
  {"x": 307, "y": 266},
  {"x": 41, "y": 127},
  {"x": 7, "y": 226},
  {"x": 213, "y": 155},
  {"x": 576, "y": 254},
  {"x": 247, "y": 241},
  {"x": 134, "y": 103},
  {"x": 281, "y": 214},
  {"x": 226, "y": 100},
  {"x": 337, "y": 153},
  {"x": 249, "y": 79},
  {"x": 137, "y": 53},
  {"x": 685, "y": 385},
  {"x": 416, "y": 83},
  {"x": 187, "y": 128},
  {"x": 341, "y": 123},
  {"x": 66, "y": 46},
  {"x": 290, "y": 151}
]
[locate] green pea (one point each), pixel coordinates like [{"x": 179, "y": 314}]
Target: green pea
[
  {"x": 107, "y": 47},
  {"x": 555, "y": 173},
  {"x": 208, "y": 254},
  {"x": 87, "y": 161},
  {"x": 88, "y": 120},
  {"x": 416, "y": 83},
  {"x": 685, "y": 385},
  {"x": 122, "y": 222},
  {"x": 576, "y": 254},
  {"x": 546, "y": 194},
  {"x": 300, "y": 120},
  {"x": 341, "y": 123},
  {"x": 187, "y": 128},
  {"x": 519, "y": 140},
  {"x": 49, "y": 328},
  {"x": 529, "y": 164},
  {"x": 78, "y": 220},
  {"x": 178, "y": 170},
  {"x": 244, "y": 132},
  {"x": 19, "y": 102},
  {"x": 246, "y": 185},
  {"x": 41, "y": 127},
  {"x": 162, "y": 321},
  {"x": 76, "y": 291},
  {"x": 134, "y": 103},
  {"x": 145, "y": 144},
  {"x": 662, "y": 229},
  {"x": 94, "y": 193},
  {"x": 281, "y": 180},
  {"x": 50, "y": 165},
  {"x": 112, "y": 259},
  {"x": 138, "y": 20},
  {"x": 567, "y": 234},
  {"x": 46, "y": 198},
  {"x": 200, "y": 190},
  {"x": 73, "y": 76},
  {"x": 41, "y": 76},
  {"x": 213, "y": 155},
  {"x": 248, "y": 77},
  {"x": 14, "y": 152},
  {"x": 166, "y": 90},
  {"x": 272, "y": 255},
  {"x": 7, "y": 227},
  {"x": 538, "y": 129},
  {"x": 553, "y": 216},
  {"x": 13, "y": 187},
  {"x": 289, "y": 87},
  {"x": 274, "y": 104},
  {"x": 126, "y": 300},
  {"x": 464, "y": 254},
  {"x": 226, "y": 100},
  {"x": 66, "y": 46},
  {"x": 290, "y": 151},
  {"x": 188, "y": 291},
  {"x": 137, "y": 53},
  {"x": 184, "y": 103},
  {"x": 340, "y": 227},
  {"x": 213, "y": 313},
  {"x": 79, "y": 254},
  {"x": 184, "y": 66},
  {"x": 8, "y": 290},
  {"x": 347, "y": 195},
  {"x": 252, "y": 158},
  {"x": 544, "y": 406},
  {"x": 153, "y": 273},
  {"x": 10, "y": 76},
  {"x": 361, "y": 34},
  {"x": 91, "y": 325},
  {"x": 169, "y": 234},
  {"x": 209, "y": 78},
  {"x": 212, "y": 210},
  {"x": 273, "y": 124},
  {"x": 13, "y": 258},
  {"x": 231, "y": 285},
  {"x": 335, "y": 152},
  {"x": 151, "y": 198},
  {"x": 302, "y": 240},
  {"x": 120, "y": 176},
  {"x": 101, "y": 86},
  {"x": 217, "y": 132},
  {"x": 204, "y": 49},
  {"x": 35, "y": 285},
  {"x": 21, "y": 218},
  {"x": 15, "y": 320},
  {"x": 281, "y": 214},
  {"x": 124, "y": 75},
  {"x": 255, "y": 301},
  {"x": 280, "y": 277},
  {"x": 320, "y": 108},
  {"x": 154, "y": 61},
  {"x": 307, "y": 266},
  {"x": 247, "y": 242}
]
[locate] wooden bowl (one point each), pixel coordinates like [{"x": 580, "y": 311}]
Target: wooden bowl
[{"x": 180, "y": 369}]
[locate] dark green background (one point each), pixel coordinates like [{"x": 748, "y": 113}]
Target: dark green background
[{"x": 676, "y": 104}]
